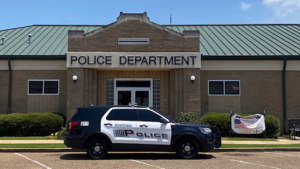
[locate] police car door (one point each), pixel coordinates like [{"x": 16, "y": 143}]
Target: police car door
[
  {"x": 119, "y": 124},
  {"x": 150, "y": 130}
]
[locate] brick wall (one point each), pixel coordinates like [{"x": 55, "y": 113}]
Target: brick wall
[
  {"x": 3, "y": 91},
  {"x": 260, "y": 90},
  {"x": 185, "y": 96},
  {"x": 22, "y": 102},
  {"x": 107, "y": 40},
  {"x": 293, "y": 94},
  {"x": 227, "y": 104},
  {"x": 83, "y": 92}
]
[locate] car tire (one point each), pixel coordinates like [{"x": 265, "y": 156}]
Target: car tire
[
  {"x": 187, "y": 148},
  {"x": 97, "y": 148}
]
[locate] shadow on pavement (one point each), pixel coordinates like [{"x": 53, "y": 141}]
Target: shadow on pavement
[{"x": 137, "y": 156}]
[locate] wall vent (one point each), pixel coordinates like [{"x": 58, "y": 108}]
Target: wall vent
[{"x": 133, "y": 41}]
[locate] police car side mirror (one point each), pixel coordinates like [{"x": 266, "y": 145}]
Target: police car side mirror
[{"x": 163, "y": 120}]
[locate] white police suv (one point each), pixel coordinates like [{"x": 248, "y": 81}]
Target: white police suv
[{"x": 100, "y": 129}]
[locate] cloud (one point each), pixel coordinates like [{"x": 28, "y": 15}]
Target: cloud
[
  {"x": 283, "y": 8},
  {"x": 244, "y": 6}
]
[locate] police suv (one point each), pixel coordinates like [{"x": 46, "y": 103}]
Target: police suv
[{"x": 100, "y": 129}]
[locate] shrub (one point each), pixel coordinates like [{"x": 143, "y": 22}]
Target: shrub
[
  {"x": 222, "y": 121},
  {"x": 62, "y": 133},
  {"x": 63, "y": 116},
  {"x": 11, "y": 125},
  {"x": 272, "y": 127},
  {"x": 187, "y": 117},
  {"x": 31, "y": 124}
]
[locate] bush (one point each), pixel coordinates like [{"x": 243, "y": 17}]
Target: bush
[
  {"x": 31, "y": 124},
  {"x": 11, "y": 125},
  {"x": 62, "y": 133},
  {"x": 222, "y": 121},
  {"x": 272, "y": 127},
  {"x": 63, "y": 116},
  {"x": 187, "y": 117}
]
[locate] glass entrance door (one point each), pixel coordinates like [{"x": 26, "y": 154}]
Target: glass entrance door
[
  {"x": 133, "y": 91},
  {"x": 142, "y": 98},
  {"x": 139, "y": 96},
  {"x": 124, "y": 97}
]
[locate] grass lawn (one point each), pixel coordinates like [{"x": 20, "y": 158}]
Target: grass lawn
[
  {"x": 29, "y": 138},
  {"x": 32, "y": 146},
  {"x": 260, "y": 146},
  {"x": 247, "y": 139}
]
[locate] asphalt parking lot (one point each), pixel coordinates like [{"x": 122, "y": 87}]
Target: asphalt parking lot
[{"x": 220, "y": 160}]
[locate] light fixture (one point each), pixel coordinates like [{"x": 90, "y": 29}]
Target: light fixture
[
  {"x": 192, "y": 79},
  {"x": 74, "y": 78}
]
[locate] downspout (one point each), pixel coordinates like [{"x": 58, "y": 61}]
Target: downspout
[
  {"x": 284, "y": 94},
  {"x": 9, "y": 87}
]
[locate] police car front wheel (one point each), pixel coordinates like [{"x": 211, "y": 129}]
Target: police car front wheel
[
  {"x": 187, "y": 148},
  {"x": 97, "y": 148}
]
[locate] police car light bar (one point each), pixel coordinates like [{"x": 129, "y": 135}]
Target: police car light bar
[{"x": 132, "y": 104}]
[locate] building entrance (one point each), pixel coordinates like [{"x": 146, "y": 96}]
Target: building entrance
[{"x": 137, "y": 91}]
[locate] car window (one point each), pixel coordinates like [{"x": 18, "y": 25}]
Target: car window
[
  {"x": 162, "y": 114},
  {"x": 110, "y": 116},
  {"x": 122, "y": 115},
  {"x": 146, "y": 115},
  {"x": 89, "y": 114}
]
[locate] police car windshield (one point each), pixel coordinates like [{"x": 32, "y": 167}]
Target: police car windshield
[{"x": 161, "y": 113}]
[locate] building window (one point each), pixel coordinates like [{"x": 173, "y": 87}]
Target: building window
[
  {"x": 224, "y": 87},
  {"x": 43, "y": 87}
]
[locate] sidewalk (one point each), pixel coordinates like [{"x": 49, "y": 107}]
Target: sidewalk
[
  {"x": 223, "y": 142},
  {"x": 279, "y": 141},
  {"x": 31, "y": 141}
]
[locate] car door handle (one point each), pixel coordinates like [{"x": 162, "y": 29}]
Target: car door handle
[
  {"x": 144, "y": 125},
  {"x": 108, "y": 124}
]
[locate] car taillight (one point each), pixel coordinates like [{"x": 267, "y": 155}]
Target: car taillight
[{"x": 72, "y": 124}]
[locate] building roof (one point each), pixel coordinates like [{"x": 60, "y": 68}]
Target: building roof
[{"x": 215, "y": 40}]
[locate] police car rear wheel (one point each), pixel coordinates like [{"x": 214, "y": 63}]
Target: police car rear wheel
[
  {"x": 187, "y": 148},
  {"x": 97, "y": 148}
]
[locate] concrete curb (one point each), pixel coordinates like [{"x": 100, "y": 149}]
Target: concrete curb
[{"x": 53, "y": 150}]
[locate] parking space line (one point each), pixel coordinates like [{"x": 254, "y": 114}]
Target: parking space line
[
  {"x": 253, "y": 164},
  {"x": 33, "y": 161},
  {"x": 283, "y": 154},
  {"x": 147, "y": 164}
]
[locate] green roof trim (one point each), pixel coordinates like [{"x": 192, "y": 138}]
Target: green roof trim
[
  {"x": 216, "y": 41},
  {"x": 266, "y": 57},
  {"x": 34, "y": 57}
]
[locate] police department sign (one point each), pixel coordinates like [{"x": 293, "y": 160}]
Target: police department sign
[{"x": 133, "y": 60}]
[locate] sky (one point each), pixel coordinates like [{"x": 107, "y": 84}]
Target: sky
[{"x": 18, "y": 13}]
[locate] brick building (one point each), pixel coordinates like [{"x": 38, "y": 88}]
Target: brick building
[{"x": 239, "y": 68}]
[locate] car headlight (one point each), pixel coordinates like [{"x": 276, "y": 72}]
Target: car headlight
[{"x": 205, "y": 130}]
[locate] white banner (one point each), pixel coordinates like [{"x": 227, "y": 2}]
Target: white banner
[{"x": 254, "y": 124}]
